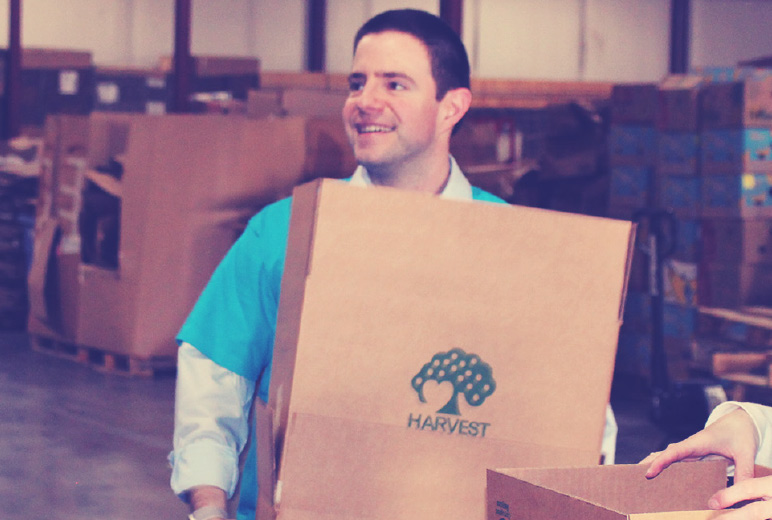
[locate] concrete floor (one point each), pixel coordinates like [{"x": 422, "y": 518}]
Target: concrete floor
[{"x": 76, "y": 443}]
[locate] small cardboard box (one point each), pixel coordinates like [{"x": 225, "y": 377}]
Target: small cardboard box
[
  {"x": 748, "y": 195},
  {"x": 678, "y": 153},
  {"x": 735, "y": 151},
  {"x": 634, "y": 145},
  {"x": 621, "y": 492},
  {"x": 422, "y": 340},
  {"x": 738, "y": 104},
  {"x": 679, "y": 103},
  {"x": 634, "y": 103}
]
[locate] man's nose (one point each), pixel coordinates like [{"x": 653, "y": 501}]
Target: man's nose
[{"x": 370, "y": 97}]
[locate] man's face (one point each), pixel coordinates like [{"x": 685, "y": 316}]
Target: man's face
[{"x": 391, "y": 114}]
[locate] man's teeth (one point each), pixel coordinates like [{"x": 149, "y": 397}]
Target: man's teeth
[{"x": 373, "y": 129}]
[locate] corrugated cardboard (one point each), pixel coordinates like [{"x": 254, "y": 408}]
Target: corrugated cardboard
[
  {"x": 681, "y": 492},
  {"x": 188, "y": 183},
  {"x": 387, "y": 294}
]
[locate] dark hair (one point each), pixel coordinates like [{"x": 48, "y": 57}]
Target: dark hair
[{"x": 449, "y": 61}]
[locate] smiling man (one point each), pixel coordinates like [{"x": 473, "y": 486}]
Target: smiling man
[{"x": 409, "y": 88}]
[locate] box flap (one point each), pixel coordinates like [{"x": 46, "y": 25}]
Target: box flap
[
  {"x": 622, "y": 488},
  {"x": 680, "y": 515}
]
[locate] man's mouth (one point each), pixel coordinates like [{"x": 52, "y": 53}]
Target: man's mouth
[{"x": 373, "y": 129}]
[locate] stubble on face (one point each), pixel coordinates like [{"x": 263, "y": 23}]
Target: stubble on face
[{"x": 391, "y": 115}]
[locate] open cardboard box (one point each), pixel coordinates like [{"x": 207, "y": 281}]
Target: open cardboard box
[
  {"x": 681, "y": 492},
  {"x": 422, "y": 340}
]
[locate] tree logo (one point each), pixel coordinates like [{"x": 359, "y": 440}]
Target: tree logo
[{"x": 468, "y": 374}]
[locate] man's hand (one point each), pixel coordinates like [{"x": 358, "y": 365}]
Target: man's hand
[
  {"x": 202, "y": 496},
  {"x": 732, "y": 436}
]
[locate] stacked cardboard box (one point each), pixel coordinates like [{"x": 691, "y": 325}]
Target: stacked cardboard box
[
  {"x": 632, "y": 154},
  {"x": 711, "y": 177},
  {"x": 19, "y": 159},
  {"x": 131, "y": 90},
  {"x": 53, "y": 82},
  {"x": 217, "y": 84},
  {"x": 679, "y": 180},
  {"x": 736, "y": 155}
]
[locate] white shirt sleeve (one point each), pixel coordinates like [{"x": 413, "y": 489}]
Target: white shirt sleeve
[
  {"x": 608, "y": 447},
  {"x": 211, "y": 413},
  {"x": 762, "y": 418}
]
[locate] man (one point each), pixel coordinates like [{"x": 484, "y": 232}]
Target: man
[
  {"x": 409, "y": 88},
  {"x": 740, "y": 433}
]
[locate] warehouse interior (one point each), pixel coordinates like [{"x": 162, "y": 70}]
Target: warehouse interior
[{"x": 134, "y": 152}]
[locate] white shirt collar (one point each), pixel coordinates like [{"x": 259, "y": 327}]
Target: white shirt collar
[{"x": 458, "y": 186}]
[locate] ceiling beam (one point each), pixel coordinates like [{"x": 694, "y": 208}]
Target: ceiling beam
[
  {"x": 452, "y": 12},
  {"x": 182, "y": 62},
  {"x": 11, "y": 126},
  {"x": 317, "y": 35},
  {"x": 680, "y": 28}
]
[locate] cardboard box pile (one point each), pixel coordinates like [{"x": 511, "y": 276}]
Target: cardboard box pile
[
  {"x": 53, "y": 81},
  {"x": 135, "y": 212},
  {"x": 620, "y": 492},
  {"x": 421, "y": 341},
  {"x": 712, "y": 172}
]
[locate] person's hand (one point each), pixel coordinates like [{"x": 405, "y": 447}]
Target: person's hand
[
  {"x": 733, "y": 437},
  {"x": 757, "y": 489}
]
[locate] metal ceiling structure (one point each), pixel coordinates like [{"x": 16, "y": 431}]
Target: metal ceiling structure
[{"x": 450, "y": 10}]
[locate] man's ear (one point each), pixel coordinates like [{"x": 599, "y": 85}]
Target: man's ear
[{"x": 454, "y": 105}]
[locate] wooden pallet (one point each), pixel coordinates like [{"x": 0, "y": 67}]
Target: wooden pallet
[{"x": 103, "y": 361}]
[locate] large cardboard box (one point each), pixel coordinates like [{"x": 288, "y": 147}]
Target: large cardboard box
[
  {"x": 188, "y": 184},
  {"x": 620, "y": 492},
  {"x": 422, "y": 340}
]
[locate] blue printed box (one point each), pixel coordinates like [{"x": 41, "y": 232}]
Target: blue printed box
[
  {"x": 630, "y": 186},
  {"x": 746, "y": 195},
  {"x": 679, "y": 321},
  {"x": 680, "y": 194},
  {"x": 679, "y": 282},
  {"x": 736, "y": 151},
  {"x": 688, "y": 240},
  {"x": 632, "y": 144},
  {"x": 678, "y": 153}
]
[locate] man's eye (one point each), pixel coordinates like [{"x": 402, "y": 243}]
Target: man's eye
[
  {"x": 355, "y": 86},
  {"x": 396, "y": 85}
]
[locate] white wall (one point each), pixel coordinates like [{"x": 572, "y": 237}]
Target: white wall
[
  {"x": 605, "y": 40},
  {"x": 727, "y": 31}
]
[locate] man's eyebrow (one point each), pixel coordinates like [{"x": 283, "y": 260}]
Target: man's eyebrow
[{"x": 386, "y": 75}]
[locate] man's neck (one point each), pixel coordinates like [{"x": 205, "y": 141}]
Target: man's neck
[{"x": 432, "y": 179}]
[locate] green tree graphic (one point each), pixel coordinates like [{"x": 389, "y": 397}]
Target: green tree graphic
[{"x": 468, "y": 374}]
